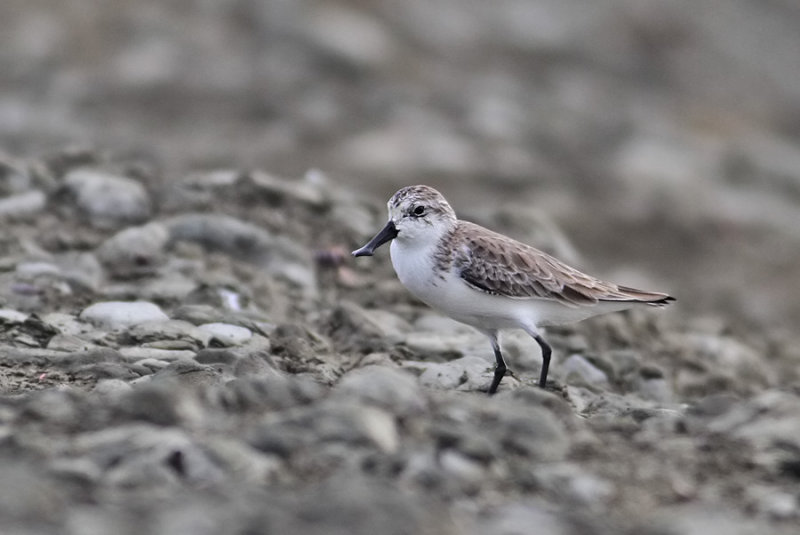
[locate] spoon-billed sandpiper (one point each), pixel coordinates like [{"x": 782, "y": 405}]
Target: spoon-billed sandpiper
[{"x": 488, "y": 280}]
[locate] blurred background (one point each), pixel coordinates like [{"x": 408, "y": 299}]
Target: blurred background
[{"x": 661, "y": 136}]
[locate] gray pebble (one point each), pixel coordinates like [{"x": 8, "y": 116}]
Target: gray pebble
[
  {"x": 12, "y": 316},
  {"x": 577, "y": 370},
  {"x": 573, "y": 484},
  {"x": 531, "y": 431},
  {"x": 468, "y": 344},
  {"x": 23, "y": 205},
  {"x": 198, "y": 314},
  {"x": 108, "y": 200},
  {"x": 135, "y": 251},
  {"x": 465, "y": 374},
  {"x": 15, "y": 175},
  {"x": 776, "y": 504},
  {"x": 93, "y": 356},
  {"x": 238, "y": 458},
  {"x": 657, "y": 389},
  {"x": 266, "y": 392},
  {"x": 353, "y": 327},
  {"x": 122, "y": 314},
  {"x": 216, "y": 356},
  {"x": 169, "y": 330},
  {"x": 137, "y": 353},
  {"x": 53, "y": 405},
  {"x": 111, "y": 388},
  {"x": 349, "y": 503},
  {"x": 32, "y": 270},
  {"x": 279, "y": 190},
  {"x": 168, "y": 285},
  {"x": 517, "y": 518},
  {"x": 81, "y": 270},
  {"x": 105, "y": 370},
  {"x": 390, "y": 389},
  {"x": 277, "y": 254},
  {"x": 332, "y": 422},
  {"x": 147, "y": 456},
  {"x": 160, "y": 403},
  {"x": 226, "y": 334},
  {"x": 70, "y": 343},
  {"x": 36, "y": 504},
  {"x": 255, "y": 364},
  {"x": 152, "y": 364},
  {"x": 66, "y": 324}
]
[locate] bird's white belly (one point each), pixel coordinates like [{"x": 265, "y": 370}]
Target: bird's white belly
[
  {"x": 450, "y": 294},
  {"x": 447, "y": 292}
]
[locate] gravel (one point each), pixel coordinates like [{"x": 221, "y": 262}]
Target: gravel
[{"x": 186, "y": 346}]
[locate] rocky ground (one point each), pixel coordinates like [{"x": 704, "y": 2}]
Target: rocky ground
[{"x": 187, "y": 347}]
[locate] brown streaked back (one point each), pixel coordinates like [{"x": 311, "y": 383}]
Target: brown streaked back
[{"x": 496, "y": 264}]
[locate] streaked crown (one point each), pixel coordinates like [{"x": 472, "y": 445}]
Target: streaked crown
[{"x": 418, "y": 201}]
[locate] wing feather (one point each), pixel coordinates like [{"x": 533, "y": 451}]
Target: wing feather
[{"x": 496, "y": 264}]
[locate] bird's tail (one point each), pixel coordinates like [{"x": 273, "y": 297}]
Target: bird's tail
[{"x": 656, "y": 299}]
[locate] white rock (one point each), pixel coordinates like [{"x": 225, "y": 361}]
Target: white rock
[
  {"x": 12, "y": 316},
  {"x": 380, "y": 427},
  {"x": 80, "y": 268},
  {"x": 70, "y": 343},
  {"x": 122, "y": 314},
  {"x": 388, "y": 388},
  {"x": 23, "y": 205},
  {"x": 135, "y": 250},
  {"x": 137, "y": 353},
  {"x": 108, "y": 200},
  {"x": 227, "y": 334},
  {"x": 463, "y": 468},
  {"x": 279, "y": 255},
  {"x": 578, "y": 370},
  {"x": 112, "y": 388},
  {"x": 32, "y": 270},
  {"x": 67, "y": 324},
  {"x": 465, "y": 374},
  {"x": 471, "y": 344}
]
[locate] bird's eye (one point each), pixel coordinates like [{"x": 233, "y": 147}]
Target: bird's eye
[{"x": 419, "y": 210}]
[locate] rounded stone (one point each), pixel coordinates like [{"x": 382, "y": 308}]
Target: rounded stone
[
  {"x": 122, "y": 314},
  {"x": 12, "y": 316},
  {"x": 226, "y": 334},
  {"x": 392, "y": 389},
  {"x": 135, "y": 250},
  {"x": 108, "y": 200},
  {"x": 23, "y": 205}
]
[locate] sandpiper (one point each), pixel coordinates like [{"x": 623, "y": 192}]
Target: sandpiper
[{"x": 488, "y": 280}]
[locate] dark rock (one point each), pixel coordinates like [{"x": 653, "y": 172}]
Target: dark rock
[{"x": 216, "y": 356}]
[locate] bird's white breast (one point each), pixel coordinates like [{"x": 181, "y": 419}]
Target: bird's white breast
[
  {"x": 449, "y": 293},
  {"x": 414, "y": 267}
]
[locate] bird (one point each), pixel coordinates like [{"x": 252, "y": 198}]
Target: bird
[{"x": 488, "y": 280}]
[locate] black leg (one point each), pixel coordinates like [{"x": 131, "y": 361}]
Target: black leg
[
  {"x": 500, "y": 369},
  {"x": 546, "y": 351}
]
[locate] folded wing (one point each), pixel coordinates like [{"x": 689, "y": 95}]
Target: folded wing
[{"x": 498, "y": 265}]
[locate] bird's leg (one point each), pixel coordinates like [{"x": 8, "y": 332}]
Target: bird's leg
[
  {"x": 501, "y": 368},
  {"x": 546, "y": 351}
]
